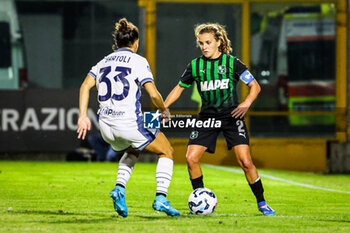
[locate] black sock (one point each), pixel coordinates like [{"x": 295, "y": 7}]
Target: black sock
[
  {"x": 120, "y": 185},
  {"x": 160, "y": 194},
  {"x": 197, "y": 183},
  {"x": 258, "y": 190}
]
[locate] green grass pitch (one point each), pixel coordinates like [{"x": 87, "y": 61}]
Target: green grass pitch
[{"x": 74, "y": 197}]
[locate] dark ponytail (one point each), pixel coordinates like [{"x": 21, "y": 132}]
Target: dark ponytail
[{"x": 125, "y": 34}]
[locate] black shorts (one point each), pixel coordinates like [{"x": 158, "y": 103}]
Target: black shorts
[{"x": 234, "y": 131}]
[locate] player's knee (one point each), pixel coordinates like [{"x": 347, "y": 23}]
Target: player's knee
[
  {"x": 191, "y": 160},
  {"x": 168, "y": 152},
  {"x": 247, "y": 165},
  {"x": 129, "y": 159}
]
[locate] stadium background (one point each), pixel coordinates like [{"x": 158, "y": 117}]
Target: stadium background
[{"x": 61, "y": 40}]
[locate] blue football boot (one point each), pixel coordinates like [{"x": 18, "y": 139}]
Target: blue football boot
[
  {"x": 118, "y": 198},
  {"x": 162, "y": 204},
  {"x": 266, "y": 209}
]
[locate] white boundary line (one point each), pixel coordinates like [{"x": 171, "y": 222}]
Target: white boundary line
[
  {"x": 157, "y": 213},
  {"x": 239, "y": 171}
]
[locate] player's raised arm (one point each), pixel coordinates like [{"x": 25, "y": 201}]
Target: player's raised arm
[
  {"x": 174, "y": 95},
  {"x": 84, "y": 123}
]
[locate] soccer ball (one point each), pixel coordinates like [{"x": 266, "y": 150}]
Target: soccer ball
[{"x": 202, "y": 201}]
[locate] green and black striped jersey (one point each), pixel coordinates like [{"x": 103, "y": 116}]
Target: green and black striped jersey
[{"x": 216, "y": 82}]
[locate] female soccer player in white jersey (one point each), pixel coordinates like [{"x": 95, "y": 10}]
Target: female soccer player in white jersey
[{"x": 118, "y": 78}]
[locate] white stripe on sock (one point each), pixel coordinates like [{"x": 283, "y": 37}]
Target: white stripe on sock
[
  {"x": 164, "y": 172},
  {"x": 124, "y": 173}
]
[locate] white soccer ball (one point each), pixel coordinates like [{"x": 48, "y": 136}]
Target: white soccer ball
[{"x": 202, "y": 201}]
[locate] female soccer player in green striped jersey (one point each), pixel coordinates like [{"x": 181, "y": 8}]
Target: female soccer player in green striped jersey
[{"x": 216, "y": 74}]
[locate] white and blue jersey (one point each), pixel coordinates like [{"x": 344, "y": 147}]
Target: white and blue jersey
[{"x": 119, "y": 78}]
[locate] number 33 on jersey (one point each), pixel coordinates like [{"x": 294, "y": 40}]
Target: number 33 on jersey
[{"x": 119, "y": 77}]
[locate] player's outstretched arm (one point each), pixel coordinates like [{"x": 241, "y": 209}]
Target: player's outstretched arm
[
  {"x": 84, "y": 123},
  {"x": 242, "y": 109},
  {"x": 157, "y": 99},
  {"x": 174, "y": 95}
]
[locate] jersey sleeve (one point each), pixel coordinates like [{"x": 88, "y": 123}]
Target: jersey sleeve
[
  {"x": 93, "y": 72},
  {"x": 242, "y": 72},
  {"x": 144, "y": 72},
  {"x": 187, "y": 79}
]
